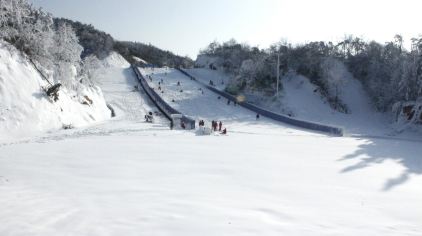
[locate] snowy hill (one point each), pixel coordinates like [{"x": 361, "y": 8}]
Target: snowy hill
[
  {"x": 302, "y": 99},
  {"x": 25, "y": 110},
  {"x": 128, "y": 177}
]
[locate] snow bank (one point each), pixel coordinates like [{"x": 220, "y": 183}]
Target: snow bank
[{"x": 25, "y": 109}]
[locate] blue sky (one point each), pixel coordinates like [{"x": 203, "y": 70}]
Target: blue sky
[{"x": 186, "y": 26}]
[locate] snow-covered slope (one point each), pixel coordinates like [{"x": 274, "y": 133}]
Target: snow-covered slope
[
  {"x": 121, "y": 89},
  {"x": 301, "y": 99},
  {"x": 304, "y": 100},
  {"x": 194, "y": 100},
  {"x": 24, "y": 108},
  {"x": 219, "y": 78}
]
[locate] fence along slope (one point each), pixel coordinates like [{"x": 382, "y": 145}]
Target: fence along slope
[
  {"x": 162, "y": 105},
  {"x": 272, "y": 115}
]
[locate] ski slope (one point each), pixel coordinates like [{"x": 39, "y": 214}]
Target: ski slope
[
  {"x": 128, "y": 177},
  {"x": 123, "y": 92},
  {"x": 301, "y": 99},
  {"x": 197, "y": 102}
]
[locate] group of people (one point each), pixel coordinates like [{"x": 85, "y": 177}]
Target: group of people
[
  {"x": 215, "y": 126},
  {"x": 218, "y": 125}
]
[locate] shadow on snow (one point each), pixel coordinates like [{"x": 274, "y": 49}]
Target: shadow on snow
[{"x": 376, "y": 151}]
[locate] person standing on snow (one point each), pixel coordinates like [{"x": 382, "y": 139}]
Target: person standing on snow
[
  {"x": 214, "y": 126},
  {"x": 257, "y": 116},
  {"x": 220, "y": 125}
]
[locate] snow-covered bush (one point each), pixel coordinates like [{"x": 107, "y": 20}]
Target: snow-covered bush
[{"x": 54, "y": 48}]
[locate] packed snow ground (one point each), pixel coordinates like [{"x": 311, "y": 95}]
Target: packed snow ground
[
  {"x": 128, "y": 177},
  {"x": 161, "y": 182}
]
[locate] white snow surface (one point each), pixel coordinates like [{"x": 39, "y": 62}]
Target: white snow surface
[
  {"x": 128, "y": 177},
  {"x": 161, "y": 182},
  {"x": 25, "y": 110}
]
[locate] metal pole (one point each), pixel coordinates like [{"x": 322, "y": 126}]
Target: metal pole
[{"x": 278, "y": 71}]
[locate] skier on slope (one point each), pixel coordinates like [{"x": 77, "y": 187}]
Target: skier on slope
[{"x": 220, "y": 125}]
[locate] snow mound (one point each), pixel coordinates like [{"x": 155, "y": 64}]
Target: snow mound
[{"x": 25, "y": 109}]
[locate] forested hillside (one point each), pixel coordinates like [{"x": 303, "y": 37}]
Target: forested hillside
[
  {"x": 101, "y": 44},
  {"x": 389, "y": 72}
]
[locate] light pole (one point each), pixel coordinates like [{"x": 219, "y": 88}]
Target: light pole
[{"x": 278, "y": 72}]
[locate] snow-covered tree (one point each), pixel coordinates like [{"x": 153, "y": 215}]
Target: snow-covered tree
[
  {"x": 54, "y": 48},
  {"x": 66, "y": 52},
  {"x": 334, "y": 77}
]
